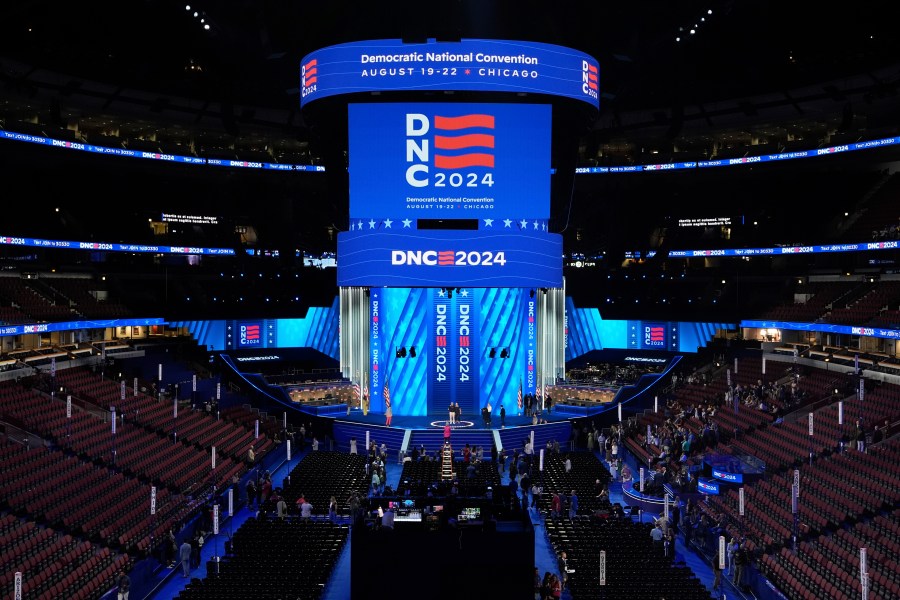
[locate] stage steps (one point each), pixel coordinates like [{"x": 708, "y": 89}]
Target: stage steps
[
  {"x": 393, "y": 437},
  {"x": 433, "y": 439}
]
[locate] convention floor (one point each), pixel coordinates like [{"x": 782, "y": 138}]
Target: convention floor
[{"x": 170, "y": 581}]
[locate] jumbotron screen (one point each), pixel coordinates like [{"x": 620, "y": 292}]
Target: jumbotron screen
[{"x": 449, "y": 161}]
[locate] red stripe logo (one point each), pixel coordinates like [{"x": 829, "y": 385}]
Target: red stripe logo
[
  {"x": 441, "y": 340},
  {"x": 465, "y": 142},
  {"x": 446, "y": 257},
  {"x": 463, "y": 341}
]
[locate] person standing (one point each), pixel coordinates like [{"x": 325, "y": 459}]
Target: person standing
[
  {"x": 730, "y": 550},
  {"x": 123, "y": 583},
  {"x": 281, "y": 508},
  {"x": 251, "y": 456},
  {"x": 555, "y": 587},
  {"x": 451, "y": 414},
  {"x": 352, "y": 445},
  {"x": 573, "y": 505},
  {"x": 306, "y": 511},
  {"x": 502, "y": 416},
  {"x": 717, "y": 572},
  {"x": 537, "y": 491},
  {"x": 251, "y": 492},
  {"x": 388, "y": 413},
  {"x": 332, "y": 509},
  {"x": 555, "y": 505},
  {"x": 184, "y": 555},
  {"x": 447, "y": 434},
  {"x": 563, "y": 564},
  {"x": 376, "y": 483},
  {"x": 740, "y": 562}
]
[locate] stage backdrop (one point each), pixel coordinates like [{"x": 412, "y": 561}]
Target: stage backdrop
[{"x": 472, "y": 345}]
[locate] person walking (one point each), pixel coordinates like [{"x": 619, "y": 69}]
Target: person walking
[
  {"x": 184, "y": 555},
  {"x": 573, "y": 505},
  {"x": 123, "y": 583}
]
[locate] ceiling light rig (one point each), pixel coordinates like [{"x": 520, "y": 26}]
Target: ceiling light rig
[
  {"x": 694, "y": 29},
  {"x": 198, "y": 15}
]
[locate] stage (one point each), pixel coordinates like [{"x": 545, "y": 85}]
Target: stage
[{"x": 437, "y": 422}]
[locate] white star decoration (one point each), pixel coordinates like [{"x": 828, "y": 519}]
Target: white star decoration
[
  {"x": 488, "y": 222},
  {"x": 464, "y": 293},
  {"x": 507, "y": 223},
  {"x": 372, "y": 224},
  {"x": 359, "y": 226},
  {"x": 523, "y": 224},
  {"x": 535, "y": 225},
  {"x": 441, "y": 293},
  {"x": 406, "y": 223},
  {"x": 388, "y": 223}
]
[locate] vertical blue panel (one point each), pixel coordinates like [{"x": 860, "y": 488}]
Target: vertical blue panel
[
  {"x": 465, "y": 364},
  {"x": 404, "y": 319},
  {"x": 441, "y": 343},
  {"x": 377, "y": 358},
  {"x": 501, "y": 327}
]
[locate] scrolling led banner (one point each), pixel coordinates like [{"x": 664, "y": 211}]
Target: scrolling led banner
[
  {"x": 450, "y": 161},
  {"x": 467, "y": 65},
  {"x": 519, "y": 258}
]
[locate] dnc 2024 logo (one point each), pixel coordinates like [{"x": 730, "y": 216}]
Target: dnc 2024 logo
[{"x": 455, "y": 150}]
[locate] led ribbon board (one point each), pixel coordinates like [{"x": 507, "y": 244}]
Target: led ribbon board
[{"x": 472, "y": 65}]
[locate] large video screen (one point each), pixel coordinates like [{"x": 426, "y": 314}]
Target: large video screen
[
  {"x": 474, "y": 65},
  {"x": 510, "y": 257},
  {"x": 449, "y": 161}
]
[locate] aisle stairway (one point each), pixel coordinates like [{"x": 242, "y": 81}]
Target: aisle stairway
[{"x": 447, "y": 462}]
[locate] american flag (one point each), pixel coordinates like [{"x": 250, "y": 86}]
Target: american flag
[
  {"x": 357, "y": 390},
  {"x": 519, "y": 398},
  {"x": 387, "y": 396}
]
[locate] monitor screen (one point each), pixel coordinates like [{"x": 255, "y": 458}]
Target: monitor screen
[
  {"x": 408, "y": 503},
  {"x": 393, "y": 505},
  {"x": 437, "y": 508},
  {"x": 472, "y": 513}
]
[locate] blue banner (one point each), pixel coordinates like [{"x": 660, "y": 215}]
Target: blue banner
[
  {"x": 442, "y": 345},
  {"x": 512, "y": 257},
  {"x": 467, "y": 65},
  {"x": 376, "y": 378},
  {"x": 449, "y": 161},
  {"x": 529, "y": 327},
  {"x": 466, "y": 342}
]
